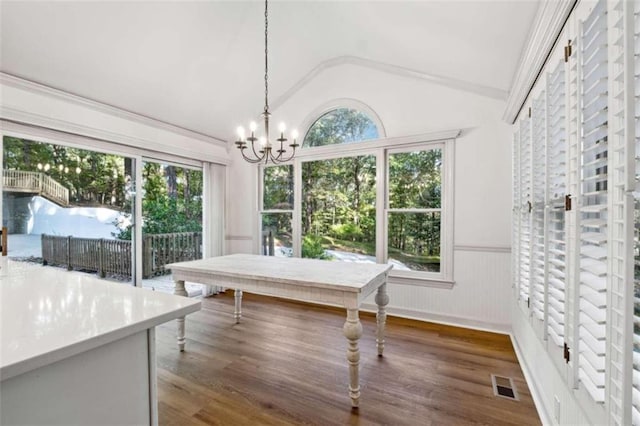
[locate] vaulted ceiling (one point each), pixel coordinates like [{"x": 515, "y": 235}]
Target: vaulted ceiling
[{"x": 200, "y": 65}]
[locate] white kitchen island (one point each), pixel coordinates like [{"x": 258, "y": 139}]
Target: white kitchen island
[
  {"x": 78, "y": 350},
  {"x": 343, "y": 284}
]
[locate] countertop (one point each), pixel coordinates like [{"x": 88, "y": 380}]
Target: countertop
[{"x": 48, "y": 314}]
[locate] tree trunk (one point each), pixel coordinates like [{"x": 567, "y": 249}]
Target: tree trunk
[{"x": 172, "y": 182}]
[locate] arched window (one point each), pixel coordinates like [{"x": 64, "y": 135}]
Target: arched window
[
  {"x": 339, "y": 126},
  {"x": 326, "y": 203}
]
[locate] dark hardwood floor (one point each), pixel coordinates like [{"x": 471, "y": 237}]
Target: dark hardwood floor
[{"x": 286, "y": 364}]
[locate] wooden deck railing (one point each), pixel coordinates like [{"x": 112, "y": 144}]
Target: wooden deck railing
[
  {"x": 37, "y": 183},
  {"x": 113, "y": 257}
]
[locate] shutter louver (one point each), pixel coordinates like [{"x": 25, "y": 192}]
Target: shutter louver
[
  {"x": 515, "y": 267},
  {"x": 635, "y": 392},
  {"x": 594, "y": 203},
  {"x": 556, "y": 252},
  {"x": 525, "y": 214},
  {"x": 538, "y": 260}
]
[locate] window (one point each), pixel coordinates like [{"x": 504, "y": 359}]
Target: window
[
  {"x": 277, "y": 210},
  {"x": 338, "y": 209},
  {"x": 414, "y": 201},
  {"x": 66, "y": 206},
  {"x": 341, "y": 125},
  {"x": 171, "y": 216},
  {"x": 583, "y": 122},
  {"x": 72, "y": 201},
  {"x": 347, "y": 198}
]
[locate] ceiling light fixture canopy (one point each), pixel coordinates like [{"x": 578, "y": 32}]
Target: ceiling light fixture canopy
[{"x": 265, "y": 151}]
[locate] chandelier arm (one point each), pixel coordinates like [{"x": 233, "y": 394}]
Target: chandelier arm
[
  {"x": 285, "y": 160},
  {"x": 253, "y": 148},
  {"x": 249, "y": 159}
]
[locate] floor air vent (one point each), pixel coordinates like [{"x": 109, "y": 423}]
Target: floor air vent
[{"x": 503, "y": 387}]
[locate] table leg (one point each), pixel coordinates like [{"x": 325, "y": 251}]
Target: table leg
[
  {"x": 382, "y": 299},
  {"x": 179, "y": 290},
  {"x": 237, "y": 314},
  {"x": 353, "y": 331}
]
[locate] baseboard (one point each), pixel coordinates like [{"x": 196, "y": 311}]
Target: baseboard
[
  {"x": 545, "y": 416},
  {"x": 470, "y": 323}
]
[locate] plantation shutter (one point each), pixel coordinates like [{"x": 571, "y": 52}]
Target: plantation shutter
[
  {"x": 594, "y": 203},
  {"x": 525, "y": 210},
  {"x": 515, "y": 267},
  {"x": 636, "y": 235},
  {"x": 538, "y": 174},
  {"x": 556, "y": 253}
]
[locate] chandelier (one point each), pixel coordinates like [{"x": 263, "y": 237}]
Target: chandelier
[{"x": 264, "y": 150}]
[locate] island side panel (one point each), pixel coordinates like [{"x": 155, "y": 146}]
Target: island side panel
[{"x": 108, "y": 384}]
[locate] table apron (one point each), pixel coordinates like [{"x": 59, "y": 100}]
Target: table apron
[{"x": 305, "y": 293}]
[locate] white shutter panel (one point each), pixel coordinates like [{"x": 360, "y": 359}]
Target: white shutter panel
[
  {"x": 556, "y": 160},
  {"x": 620, "y": 241},
  {"x": 594, "y": 203},
  {"x": 515, "y": 267},
  {"x": 538, "y": 174},
  {"x": 525, "y": 210},
  {"x": 635, "y": 395},
  {"x": 574, "y": 147}
]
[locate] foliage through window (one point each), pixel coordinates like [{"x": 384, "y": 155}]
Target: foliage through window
[
  {"x": 277, "y": 211},
  {"x": 353, "y": 196},
  {"x": 339, "y": 126},
  {"x": 415, "y": 205},
  {"x": 338, "y": 208}
]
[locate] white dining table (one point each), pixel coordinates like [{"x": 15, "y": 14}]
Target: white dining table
[{"x": 345, "y": 284}]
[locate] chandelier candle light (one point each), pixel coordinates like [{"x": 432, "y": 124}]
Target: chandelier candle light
[{"x": 265, "y": 152}]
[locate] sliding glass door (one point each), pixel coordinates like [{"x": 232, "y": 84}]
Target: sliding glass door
[
  {"x": 69, "y": 207},
  {"x": 171, "y": 217}
]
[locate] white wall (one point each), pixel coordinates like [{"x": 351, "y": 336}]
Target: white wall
[
  {"x": 45, "y": 114},
  {"x": 38, "y": 105},
  {"x": 409, "y": 106}
]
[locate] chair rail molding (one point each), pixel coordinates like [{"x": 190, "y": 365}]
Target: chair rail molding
[
  {"x": 482, "y": 248},
  {"x": 548, "y": 24}
]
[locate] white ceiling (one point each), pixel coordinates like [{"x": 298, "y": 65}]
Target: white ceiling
[{"x": 199, "y": 65}]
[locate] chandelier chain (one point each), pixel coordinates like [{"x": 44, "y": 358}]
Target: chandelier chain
[
  {"x": 266, "y": 151},
  {"x": 266, "y": 55}
]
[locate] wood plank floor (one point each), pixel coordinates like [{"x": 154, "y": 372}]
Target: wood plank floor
[{"x": 285, "y": 364}]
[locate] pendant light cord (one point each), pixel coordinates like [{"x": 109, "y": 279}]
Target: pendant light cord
[{"x": 266, "y": 55}]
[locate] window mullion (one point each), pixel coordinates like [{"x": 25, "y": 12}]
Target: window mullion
[
  {"x": 382, "y": 193},
  {"x": 297, "y": 208}
]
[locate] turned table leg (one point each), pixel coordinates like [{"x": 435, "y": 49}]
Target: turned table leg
[
  {"x": 353, "y": 331},
  {"x": 179, "y": 290},
  {"x": 237, "y": 313},
  {"x": 382, "y": 299}
]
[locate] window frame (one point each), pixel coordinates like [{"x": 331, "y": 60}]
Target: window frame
[
  {"x": 444, "y": 274},
  {"x": 262, "y": 211},
  {"x": 137, "y": 155},
  {"x": 380, "y": 149}
]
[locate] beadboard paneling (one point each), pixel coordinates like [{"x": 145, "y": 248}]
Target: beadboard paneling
[{"x": 480, "y": 297}]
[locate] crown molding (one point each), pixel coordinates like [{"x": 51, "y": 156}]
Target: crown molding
[
  {"x": 478, "y": 89},
  {"x": 41, "y": 89},
  {"x": 548, "y": 24},
  {"x": 40, "y": 125}
]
